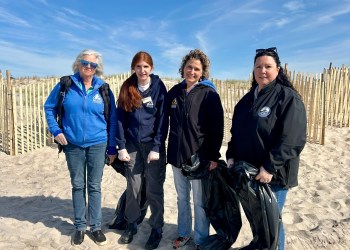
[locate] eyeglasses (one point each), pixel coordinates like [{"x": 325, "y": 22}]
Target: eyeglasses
[
  {"x": 85, "y": 63},
  {"x": 272, "y": 49}
]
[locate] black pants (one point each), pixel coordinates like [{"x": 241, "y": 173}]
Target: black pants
[{"x": 154, "y": 176}]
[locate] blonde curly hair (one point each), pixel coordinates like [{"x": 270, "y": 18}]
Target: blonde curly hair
[{"x": 199, "y": 55}]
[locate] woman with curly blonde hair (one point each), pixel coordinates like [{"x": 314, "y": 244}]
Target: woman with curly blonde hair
[{"x": 196, "y": 129}]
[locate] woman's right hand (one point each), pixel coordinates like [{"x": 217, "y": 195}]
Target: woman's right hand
[
  {"x": 123, "y": 155},
  {"x": 61, "y": 139}
]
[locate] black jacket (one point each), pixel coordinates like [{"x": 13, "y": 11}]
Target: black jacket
[
  {"x": 270, "y": 132},
  {"x": 196, "y": 123}
]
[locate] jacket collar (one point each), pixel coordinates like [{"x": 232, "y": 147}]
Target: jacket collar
[{"x": 204, "y": 82}]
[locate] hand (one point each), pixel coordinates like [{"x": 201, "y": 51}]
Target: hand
[
  {"x": 152, "y": 156},
  {"x": 213, "y": 165},
  {"x": 263, "y": 176},
  {"x": 61, "y": 139},
  {"x": 230, "y": 163},
  {"x": 111, "y": 158},
  {"x": 123, "y": 155}
]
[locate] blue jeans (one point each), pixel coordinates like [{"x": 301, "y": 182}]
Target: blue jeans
[
  {"x": 281, "y": 195},
  {"x": 86, "y": 169},
  {"x": 184, "y": 218}
]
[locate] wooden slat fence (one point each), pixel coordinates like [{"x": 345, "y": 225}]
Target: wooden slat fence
[
  {"x": 23, "y": 125},
  {"x": 230, "y": 92},
  {"x": 337, "y": 105}
]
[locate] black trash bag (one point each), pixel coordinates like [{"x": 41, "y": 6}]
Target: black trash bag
[
  {"x": 119, "y": 166},
  {"x": 259, "y": 204},
  {"x": 215, "y": 242},
  {"x": 221, "y": 205},
  {"x": 195, "y": 167},
  {"x": 119, "y": 222}
]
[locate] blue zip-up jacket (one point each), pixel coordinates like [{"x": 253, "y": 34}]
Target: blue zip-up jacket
[
  {"x": 83, "y": 120},
  {"x": 147, "y": 123}
]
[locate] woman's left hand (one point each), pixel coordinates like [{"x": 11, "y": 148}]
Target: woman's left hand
[
  {"x": 264, "y": 176},
  {"x": 213, "y": 165}
]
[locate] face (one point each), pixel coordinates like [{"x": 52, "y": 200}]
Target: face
[
  {"x": 193, "y": 71},
  {"x": 142, "y": 70},
  {"x": 87, "y": 70},
  {"x": 265, "y": 70}
]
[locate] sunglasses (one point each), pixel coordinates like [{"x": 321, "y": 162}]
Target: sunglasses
[
  {"x": 85, "y": 63},
  {"x": 272, "y": 49}
]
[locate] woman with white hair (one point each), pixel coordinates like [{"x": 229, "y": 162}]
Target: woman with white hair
[{"x": 86, "y": 137}]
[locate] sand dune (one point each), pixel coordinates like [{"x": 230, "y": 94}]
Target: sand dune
[{"x": 36, "y": 208}]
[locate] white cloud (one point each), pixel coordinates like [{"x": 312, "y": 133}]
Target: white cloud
[
  {"x": 7, "y": 17},
  {"x": 203, "y": 45},
  {"x": 294, "y": 5},
  {"x": 76, "y": 20},
  {"x": 20, "y": 60},
  {"x": 274, "y": 23},
  {"x": 329, "y": 17},
  {"x": 44, "y": 2}
]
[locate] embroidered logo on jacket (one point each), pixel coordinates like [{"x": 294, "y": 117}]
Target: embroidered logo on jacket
[
  {"x": 97, "y": 99},
  {"x": 174, "y": 104},
  {"x": 264, "y": 112}
]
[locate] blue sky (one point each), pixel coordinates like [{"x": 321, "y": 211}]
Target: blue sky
[{"x": 43, "y": 37}]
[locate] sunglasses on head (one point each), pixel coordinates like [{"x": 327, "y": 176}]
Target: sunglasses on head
[
  {"x": 85, "y": 63},
  {"x": 272, "y": 49}
]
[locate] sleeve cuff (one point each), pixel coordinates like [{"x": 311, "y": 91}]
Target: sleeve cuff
[
  {"x": 111, "y": 150},
  {"x": 57, "y": 132},
  {"x": 155, "y": 149},
  {"x": 269, "y": 168}
]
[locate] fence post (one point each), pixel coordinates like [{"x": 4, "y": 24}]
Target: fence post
[
  {"x": 11, "y": 125},
  {"x": 323, "y": 104}
]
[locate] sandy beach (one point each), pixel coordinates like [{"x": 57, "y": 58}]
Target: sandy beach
[{"x": 36, "y": 207}]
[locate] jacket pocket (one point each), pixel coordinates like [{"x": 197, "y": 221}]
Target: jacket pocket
[{"x": 288, "y": 175}]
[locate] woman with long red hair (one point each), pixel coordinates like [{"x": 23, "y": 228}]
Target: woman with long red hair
[{"x": 142, "y": 128}]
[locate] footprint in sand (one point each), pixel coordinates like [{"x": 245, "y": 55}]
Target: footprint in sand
[
  {"x": 335, "y": 205},
  {"x": 291, "y": 218}
]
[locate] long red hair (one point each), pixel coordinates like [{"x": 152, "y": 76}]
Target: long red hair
[{"x": 129, "y": 96}]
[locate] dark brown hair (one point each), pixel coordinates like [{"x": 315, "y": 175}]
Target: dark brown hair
[
  {"x": 282, "y": 78},
  {"x": 129, "y": 97}
]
